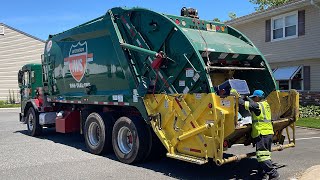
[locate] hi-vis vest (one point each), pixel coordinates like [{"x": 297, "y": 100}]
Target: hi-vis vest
[{"x": 261, "y": 124}]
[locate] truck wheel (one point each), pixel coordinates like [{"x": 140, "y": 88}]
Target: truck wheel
[
  {"x": 34, "y": 128},
  {"x": 98, "y": 132},
  {"x": 131, "y": 139},
  {"x": 158, "y": 151}
]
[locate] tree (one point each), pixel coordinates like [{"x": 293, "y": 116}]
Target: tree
[
  {"x": 265, "y": 4},
  {"x": 10, "y": 97},
  {"x": 216, "y": 19},
  {"x": 13, "y": 98},
  {"x": 232, "y": 15},
  {"x": 18, "y": 96}
]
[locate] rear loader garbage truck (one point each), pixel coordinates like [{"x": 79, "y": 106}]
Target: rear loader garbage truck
[{"x": 134, "y": 81}]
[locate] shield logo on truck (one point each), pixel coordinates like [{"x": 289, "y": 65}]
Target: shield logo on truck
[{"x": 77, "y": 60}]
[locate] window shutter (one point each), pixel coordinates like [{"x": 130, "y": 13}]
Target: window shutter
[
  {"x": 301, "y": 22},
  {"x": 306, "y": 77},
  {"x": 268, "y": 30}
]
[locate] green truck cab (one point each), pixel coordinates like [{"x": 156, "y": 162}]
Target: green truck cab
[{"x": 30, "y": 82}]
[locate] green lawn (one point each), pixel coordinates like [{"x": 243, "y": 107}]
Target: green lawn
[
  {"x": 4, "y": 104},
  {"x": 309, "y": 122},
  {"x": 9, "y": 105}
]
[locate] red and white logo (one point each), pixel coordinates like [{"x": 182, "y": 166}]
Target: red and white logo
[{"x": 77, "y": 60}]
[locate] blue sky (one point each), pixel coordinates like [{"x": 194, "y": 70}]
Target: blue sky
[{"x": 41, "y": 18}]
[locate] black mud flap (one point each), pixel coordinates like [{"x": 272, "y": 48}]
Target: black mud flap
[{"x": 22, "y": 118}]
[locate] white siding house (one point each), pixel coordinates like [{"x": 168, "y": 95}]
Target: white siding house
[
  {"x": 289, "y": 38},
  {"x": 16, "y": 49}
]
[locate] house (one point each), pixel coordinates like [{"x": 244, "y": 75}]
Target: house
[
  {"x": 289, "y": 37},
  {"x": 16, "y": 49}
]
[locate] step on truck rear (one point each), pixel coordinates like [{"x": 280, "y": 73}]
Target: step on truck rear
[{"x": 135, "y": 81}]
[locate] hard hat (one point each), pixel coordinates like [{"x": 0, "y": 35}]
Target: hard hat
[{"x": 258, "y": 93}]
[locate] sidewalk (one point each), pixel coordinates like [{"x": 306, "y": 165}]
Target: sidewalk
[{"x": 311, "y": 173}]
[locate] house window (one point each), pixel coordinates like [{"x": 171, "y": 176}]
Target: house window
[
  {"x": 284, "y": 26},
  {"x": 289, "y": 77},
  {"x": 283, "y": 85},
  {"x": 1, "y": 30}
]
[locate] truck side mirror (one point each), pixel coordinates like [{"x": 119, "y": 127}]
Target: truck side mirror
[{"x": 20, "y": 77}]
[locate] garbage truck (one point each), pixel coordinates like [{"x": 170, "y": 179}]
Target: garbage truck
[{"x": 134, "y": 81}]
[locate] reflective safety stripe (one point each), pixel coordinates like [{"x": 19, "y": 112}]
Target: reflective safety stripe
[
  {"x": 263, "y": 156},
  {"x": 263, "y": 111},
  {"x": 246, "y": 105},
  {"x": 263, "y": 153},
  {"x": 264, "y": 120}
]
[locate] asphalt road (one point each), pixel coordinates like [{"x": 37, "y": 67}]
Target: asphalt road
[{"x": 64, "y": 156}]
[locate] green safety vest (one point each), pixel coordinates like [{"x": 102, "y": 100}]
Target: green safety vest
[{"x": 261, "y": 124}]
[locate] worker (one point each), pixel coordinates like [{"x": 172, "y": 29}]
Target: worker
[{"x": 262, "y": 132}]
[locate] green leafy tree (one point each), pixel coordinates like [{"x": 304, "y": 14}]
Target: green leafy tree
[
  {"x": 265, "y": 4},
  {"x": 216, "y": 19},
  {"x": 232, "y": 15}
]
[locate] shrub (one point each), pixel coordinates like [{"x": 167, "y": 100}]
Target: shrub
[{"x": 309, "y": 111}]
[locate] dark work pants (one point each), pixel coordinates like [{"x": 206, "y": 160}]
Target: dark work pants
[{"x": 263, "y": 143}]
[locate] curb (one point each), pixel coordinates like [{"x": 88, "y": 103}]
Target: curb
[
  {"x": 301, "y": 127},
  {"x": 311, "y": 173},
  {"x": 10, "y": 108}
]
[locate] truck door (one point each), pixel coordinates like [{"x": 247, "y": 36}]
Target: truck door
[{"x": 25, "y": 91}]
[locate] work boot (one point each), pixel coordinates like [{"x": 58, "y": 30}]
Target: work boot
[
  {"x": 262, "y": 175},
  {"x": 265, "y": 177},
  {"x": 274, "y": 176}
]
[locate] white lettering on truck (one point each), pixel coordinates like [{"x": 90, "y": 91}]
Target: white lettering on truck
[{"x": 76, "y": 65}]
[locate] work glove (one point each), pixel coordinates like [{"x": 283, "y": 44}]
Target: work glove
[{"x": 234, "y": 93}]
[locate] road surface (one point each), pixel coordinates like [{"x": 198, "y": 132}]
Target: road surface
[{"x": 64, "y": 156}]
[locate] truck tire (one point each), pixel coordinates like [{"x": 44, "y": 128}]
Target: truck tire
[
  {"x": 98, "y": 132},
  {"x": 34, "y": 128},
  {"x": 158, "y": 151},
  {"x": 131, "y": 139}
]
